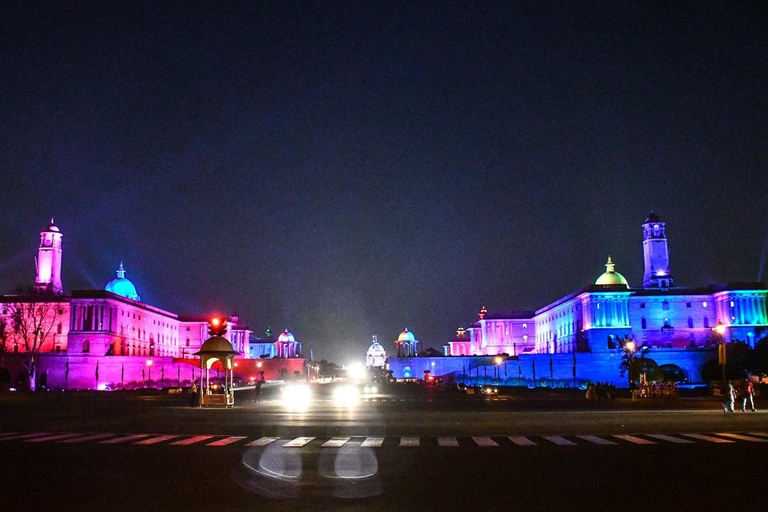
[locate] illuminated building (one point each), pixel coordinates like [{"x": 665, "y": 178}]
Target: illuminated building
[
  {"x": 407, "y": 345},
  {"x": 376, "y": 357},
  {"x": 114, "y": 328},
  {"x": 676, "y": 323}
]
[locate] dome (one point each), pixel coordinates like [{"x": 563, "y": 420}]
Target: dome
[
  {"x": 610, "y": 277},
  {"x": 376, "y": 350},
  {"x": 406, "y": 335},
  {"x": 122, "y": 286},
  {"x": 652, "y": 217},
  {"x": 216, "y": 344},
  {"x": 286, "y": 336},
  {"x": 52, "y": 227}
]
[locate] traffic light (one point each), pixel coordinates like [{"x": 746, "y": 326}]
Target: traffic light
[{"x": 217, "y": 326}]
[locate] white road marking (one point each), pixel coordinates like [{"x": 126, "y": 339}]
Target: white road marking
[
  {"x": 372, "y": 442},
  {"x": 484, "y": 441},
  {"x": 559, "y": 440},
  {"x": 596, "y": 440},
  {"x": 741, "y": 437},
  {"x": 124, "y": 439},
  {"x": 447, "y": 441},
  {"x": 335, "y": 442},
  {"x": 671, "y": 439},
  {"x": 50, "y": 438},
  {"x": 298, "y": 442},
  {"x": 410, "y": 442},
  {"x": 708, "y": 438},
  {"x": 521, "y": 441},
  {"x": 92, "y": 437},
  {"x": 263, "y": 441},
  {"x": 226, "y": 441},
  {"x": 633, "y": 439},
  {"x": 191, "y": 440}
]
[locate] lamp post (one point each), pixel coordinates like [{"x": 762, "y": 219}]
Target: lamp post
[
  {"x": 498, "y": 360},
  {"x": 149, "y": 368},
  {"x": 630, "y": 347},
  {"x": 720, "y": 329}
]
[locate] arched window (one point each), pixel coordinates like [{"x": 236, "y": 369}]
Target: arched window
[
  {"x": 706, "y": 322},
  {"x": 187, "y": 341},
  {"x": 86, "y": 346},
  {"x": 665, "y": 305},
  {"x": 643, "y": 323},
  {"x": 690, "y": 323},
  {"x": 58, "y": 328}
]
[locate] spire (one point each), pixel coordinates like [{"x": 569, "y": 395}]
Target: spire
[
  {"x": 121, "y": 271},
  {"x": 610, "y": 266}
]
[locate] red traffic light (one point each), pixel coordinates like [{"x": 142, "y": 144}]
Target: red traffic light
[{"x": 217, "y": 326}]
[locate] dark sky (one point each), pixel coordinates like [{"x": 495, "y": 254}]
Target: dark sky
[{"x": 348, "y": 169}]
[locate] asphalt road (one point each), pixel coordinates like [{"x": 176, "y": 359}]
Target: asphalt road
[{"x": 108, "y": 452}]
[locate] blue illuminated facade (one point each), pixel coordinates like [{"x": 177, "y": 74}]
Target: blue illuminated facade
[{"x": 676, "y": 323}]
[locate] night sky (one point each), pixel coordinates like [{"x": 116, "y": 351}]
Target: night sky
[{"x": 349, "y": 169}]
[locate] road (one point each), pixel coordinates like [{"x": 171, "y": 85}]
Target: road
[{"x": 404, "y": 451}]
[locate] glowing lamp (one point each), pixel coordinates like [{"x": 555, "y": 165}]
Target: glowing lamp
[
  {"x": 258, "y": 365},
  {"x": 498, "y": 359},
  {"x": 149, "y": 362},
  {"x": 630, "y": 346},
  {"x": 720, "y": 328}
]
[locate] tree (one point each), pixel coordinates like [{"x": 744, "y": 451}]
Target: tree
[
  {"x": 32, "y": 322},
  {"x": 630, "y": 354}
]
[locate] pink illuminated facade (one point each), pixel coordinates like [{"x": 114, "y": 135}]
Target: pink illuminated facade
[{"x": 113, "y": 329}]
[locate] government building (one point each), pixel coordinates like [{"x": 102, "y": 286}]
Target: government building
[
  {"x": 125, "y": 337},
  {"x": 676, "y": 323}
]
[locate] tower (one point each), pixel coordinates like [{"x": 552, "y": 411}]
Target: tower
[
  {"x": 655, "y": 254},
  {"x": 48, "y": 261}
]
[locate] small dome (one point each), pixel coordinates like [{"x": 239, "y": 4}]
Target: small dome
[
  {"x": 216, "y": 344},
  {"x": 652, "y": 217},
  {"x": 286, "y": 336},
  {"x": 122, "y": 286},
  {"x": 376, "y": 349},
  {"x": 406, "y": 335},
  {"x": 610, "y": 277},
  {"x": 52, "y": 227}
]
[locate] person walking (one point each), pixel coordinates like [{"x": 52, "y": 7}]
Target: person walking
[
  {"x": 747, "y": 394},
  {"x": 258, "y": 384},
  {"x": 728, "y": 397}
]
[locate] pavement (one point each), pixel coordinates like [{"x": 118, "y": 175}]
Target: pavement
[{"x": 407, "y": 449}]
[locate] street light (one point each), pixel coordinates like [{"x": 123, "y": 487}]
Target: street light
[
  {"x": 630, "y": 347},
  {"x": 720, "y": 329},
  {"x": 149, "y": 367}
]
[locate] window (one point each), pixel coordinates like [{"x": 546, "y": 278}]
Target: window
[
  {"x": 665, "y": 305},
  {"x": 643, "y": 323},
  {"x": 687, "y": 304},
  {"x": 58, "y": 328},
  {"x": 525, "y": 326},
  {"x": 642, "y": 305},
  {"x": 86, "y": 346},
  {"x": 690, "y": 323},
  {"x": 61, "y": 311},
  {"x": 704, "y": 304},
  {"x": 706, "y": 322}
]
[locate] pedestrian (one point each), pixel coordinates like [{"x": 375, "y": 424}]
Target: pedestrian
[
  {"x": 258, "y": 385},
  {"x": 728, "y": 397},
  {"x": 747, "y": 394}
]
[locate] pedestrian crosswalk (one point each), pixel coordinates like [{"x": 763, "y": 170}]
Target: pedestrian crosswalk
[{"x": 179, "y": 441}]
